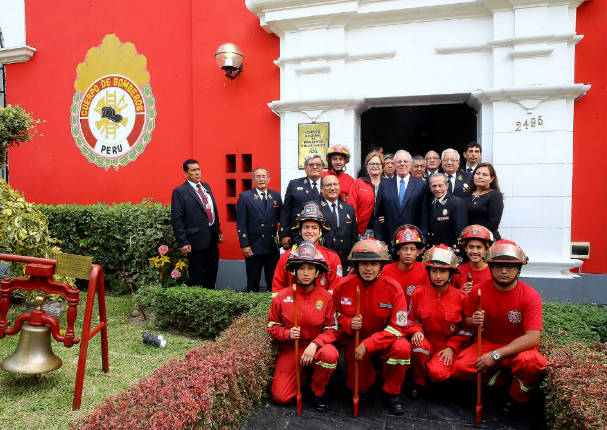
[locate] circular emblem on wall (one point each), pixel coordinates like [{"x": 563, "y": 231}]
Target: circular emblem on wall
[
  {"x": 515, "y": 317},
  {"x": 113, "y": 110}
]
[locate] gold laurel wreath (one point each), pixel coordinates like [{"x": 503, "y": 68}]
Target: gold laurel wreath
[{"x": 112, "y": 57}]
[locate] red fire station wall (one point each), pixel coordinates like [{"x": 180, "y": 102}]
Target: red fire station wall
[
  {"x": 224, "y": 124},
  {"x": 589, "y": 206}
]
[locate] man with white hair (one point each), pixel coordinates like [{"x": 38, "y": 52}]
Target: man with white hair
[
  {"x": 400, "y": 200},
  {"x": 458, "y": 186}
]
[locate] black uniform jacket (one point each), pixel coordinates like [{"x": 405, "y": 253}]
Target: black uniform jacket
[
  {"x": 189, "y": 218},
  {"x": 257, "y": 222},
  {"x": 299, "y": 192},
  {"x": 340, "y": 239},
  {"x": 446, "y": 219}
]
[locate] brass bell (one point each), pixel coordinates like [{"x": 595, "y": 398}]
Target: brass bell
[{"x": 34, "y": 354}]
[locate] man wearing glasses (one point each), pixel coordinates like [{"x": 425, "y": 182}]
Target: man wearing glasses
[
  {"x": 458, "y": 185},
  {"x": 400, "y": 200},
  {"x": 299, "y": 191},
  {"x": 432, "y": 163}
]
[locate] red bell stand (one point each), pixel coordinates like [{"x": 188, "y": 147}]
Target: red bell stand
[{"x": 41, "y": 271}]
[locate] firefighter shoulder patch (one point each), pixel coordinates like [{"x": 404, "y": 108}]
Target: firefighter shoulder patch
[
  {"x": 401, "y": 318},
  {"x": 319, "y": 304},
  {"x": 515, "y": 317}
]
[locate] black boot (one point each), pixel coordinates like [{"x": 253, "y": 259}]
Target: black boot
[
  {"x": 513, "y": 409},
  {"x": 395, "y": 405},
  {"x": 321, "y": 404},
  {"x": 417, "y": 392}
]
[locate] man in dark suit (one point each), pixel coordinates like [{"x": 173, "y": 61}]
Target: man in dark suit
[
  {"x": 472, "y": 154},
  {"x": 400, "y": 200},
  {"x": 299, "y": 191},
  {"x": 257, "y": 215},
  {"x": 341, "y": 219},
  {"x": 447, "y": 215},
  {"x": 432, "y": 160},
  {"x": 456, "y": 180},
  {"x": 196, "y": 226}
]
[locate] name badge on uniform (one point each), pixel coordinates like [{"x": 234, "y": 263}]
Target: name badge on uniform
[
  {"x": 385, "y": 305},
  {"x": 346, "y": 301},
  {"x": 288, "y": 299}
]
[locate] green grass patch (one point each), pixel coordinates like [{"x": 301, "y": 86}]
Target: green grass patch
[{"x": 45, "y": 402}]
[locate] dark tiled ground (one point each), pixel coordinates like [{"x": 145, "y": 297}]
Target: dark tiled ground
[{"x": 448, "y": 407}]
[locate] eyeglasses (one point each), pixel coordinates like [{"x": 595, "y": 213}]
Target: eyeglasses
[
  {"x": 374, "y": 164},
  {"x": 403, "y": 162},
  {"x": 450, "y": 160},
  {"x": 505, "y": 266},
  {"x": 314, "y": 164},
  {"x": 432, "y": 158},
  {"x": 331, "y": 185}
]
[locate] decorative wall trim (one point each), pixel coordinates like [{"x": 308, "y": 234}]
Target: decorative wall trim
[
  {"x": 281, "y": 106},
  {"x": 571, "y": 38},
  {"x": 327, "y": 56},
  {"x": 16, "y": 54},
  {"x": 530, "y": 53},
  {"x": 550, "y": 269},
  {"x": 543, "y": 92}
]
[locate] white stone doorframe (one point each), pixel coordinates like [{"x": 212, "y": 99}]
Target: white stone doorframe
[{"x": 512, "y": 60}]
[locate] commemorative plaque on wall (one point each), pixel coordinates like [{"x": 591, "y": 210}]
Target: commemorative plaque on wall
[{"x": 313, "y": 138}]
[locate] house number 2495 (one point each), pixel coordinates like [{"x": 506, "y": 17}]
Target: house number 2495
[{"x": 532, "y": 122}]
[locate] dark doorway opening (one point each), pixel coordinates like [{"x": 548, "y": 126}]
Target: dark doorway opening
[{"x": 418, "y": 129}]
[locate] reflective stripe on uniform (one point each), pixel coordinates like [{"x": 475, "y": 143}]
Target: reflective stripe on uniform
[
  {"x": 274, "y": 295},
  {"x": 271, "y": 323},
  {"x": 393, "y": 331},
  {"x": 422, "y": 350},
  {"x": 400, "y": 361},
  {"x": 494, "y": 378},
  {"x": 334, "y": 327},
  {"x": 523, "y": 388},
  {"x": 326, "y": 365}
]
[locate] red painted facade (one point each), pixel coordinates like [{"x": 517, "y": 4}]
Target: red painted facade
[
  {"x": 227, "y": 124},
  {"x": 201, "y": 113}
]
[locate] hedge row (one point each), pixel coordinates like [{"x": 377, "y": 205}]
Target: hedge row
[
  {"x": 575, "y": 386},
  {"x": 205, "y": 312},
  {"x": 567, "y": 323},
  {"x": 215, "y": 387},
  {"x": 121, "y": 237}
]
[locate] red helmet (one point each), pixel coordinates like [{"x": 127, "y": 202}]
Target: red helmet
[
  {"x": 369, "y": 250},
  {"x": 506, "y": 251},
  {"x": 306, "y": 252},
  {"x": 476, "y": 231},
  {"x": 408, "y": 233},
  {"x": 338, "y": 149},
  {"x": 311, "y": 212},
  {"x": 442, "y": 257}
]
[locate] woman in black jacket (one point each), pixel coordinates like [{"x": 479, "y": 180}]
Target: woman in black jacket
[{"x": 485, "y": 202}]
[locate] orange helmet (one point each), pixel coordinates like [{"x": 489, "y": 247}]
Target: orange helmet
[
  {"x": 311, "y": 212},
  {"x": 442, "y": 257},
  {"x": 476, "y": 231},
  {"x": 338, "y": 149},
  {"x": 369, "y": 250},
  {"x": 408, "y": 233},
  {"x": 306, "y": 252},
  {"x": 506, "y": 251}
]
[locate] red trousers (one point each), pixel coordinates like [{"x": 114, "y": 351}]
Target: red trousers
[
  {"x": 396, "y": 360},
  {"x": 284, "y": 384},
  {"x": 425, "y": 363},
  {"x": 526, "y": 368}
]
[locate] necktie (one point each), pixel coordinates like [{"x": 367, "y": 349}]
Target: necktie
[
  {"x": 263, "y": 199},
  {"x": 336, "y": 218},
  {"x": 469, "y": 170},
  {"x": 401, "y": 191},
  {"x": 314, "y": 189},
  {"x": 205, "y": 202},
  {"x": 450, "y": 183}
]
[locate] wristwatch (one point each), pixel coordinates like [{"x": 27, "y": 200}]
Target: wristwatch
[{"x": 496, "y": 355}]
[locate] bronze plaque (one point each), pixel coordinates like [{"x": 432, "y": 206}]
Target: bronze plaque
[
  {"x": 313, "y": 139},
  {"x": 76, "y": 266}
]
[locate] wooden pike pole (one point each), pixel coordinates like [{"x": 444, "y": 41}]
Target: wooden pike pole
[
  {"x": 479, "y": 400},
  {"x": 356, "y": 342}
]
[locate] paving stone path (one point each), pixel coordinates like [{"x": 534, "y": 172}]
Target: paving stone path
[{"x": 446, "y": 407}]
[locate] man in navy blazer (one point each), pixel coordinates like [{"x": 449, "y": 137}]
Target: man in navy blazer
[
  {"x": 447, "y": 214},
  {"x": 257, "y": 215},
  {"x": 341, "y": 219},
  {"x": 196, "y": 226},
  {"x": 400, "y": 200}
]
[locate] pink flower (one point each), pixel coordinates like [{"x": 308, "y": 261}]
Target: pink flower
[
  {"x": 175, "y": 274},
  {"x": 163, "y": 249},
  {"x": 561, "y": 331}
]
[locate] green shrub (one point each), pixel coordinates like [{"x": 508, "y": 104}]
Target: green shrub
[
  {"x": 204, "y": 312},
  {"x": 565, "y": 323},
  {"x": 120, "y": 237},
  {"x": 574, "y": 386}
]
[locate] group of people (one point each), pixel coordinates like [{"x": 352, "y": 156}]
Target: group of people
[{"x": 338, "y": 267}]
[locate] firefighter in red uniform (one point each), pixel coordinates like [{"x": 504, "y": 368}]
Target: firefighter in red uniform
[
  {"x": 437, "y": 308},
  {"x": 407, "y": 244},
  {"x": 511, "y": 318},
  {"x": 310, "y": 223},
  {"x": 382, "y": 322},
  {"x": 475, "y": 240},
  {"x": 316, "y": 332},
  {"x": 337, "y": 158}
]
